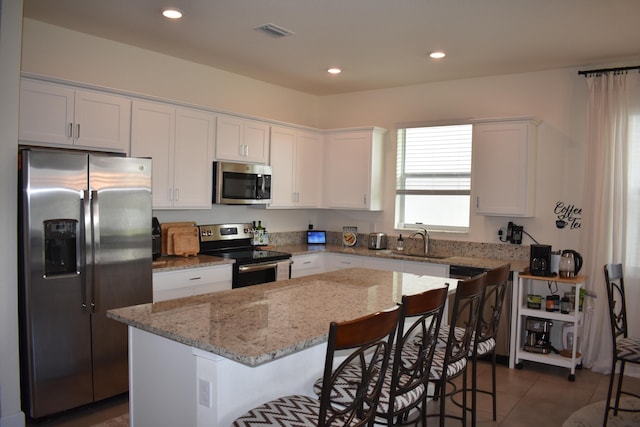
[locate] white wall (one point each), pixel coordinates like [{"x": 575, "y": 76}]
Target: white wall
[
  {"x": 57, "y": 52},
  {"x": 10, "y": 29}
]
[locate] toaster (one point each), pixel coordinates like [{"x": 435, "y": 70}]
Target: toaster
[{"x": 377, "y": 241}]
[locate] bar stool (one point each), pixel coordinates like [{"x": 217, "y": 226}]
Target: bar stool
[
  {"x": 450, "y": 360},
  {"x": 370, "y": 339},
  {"x": 625, "y": 348},
  {"x": 484, "y": 339}
]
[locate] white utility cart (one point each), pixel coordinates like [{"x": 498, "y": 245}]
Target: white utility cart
[{"x": 538, "y": 285}]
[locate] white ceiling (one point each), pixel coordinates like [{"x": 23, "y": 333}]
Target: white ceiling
[{"x": 377, "y": 43}]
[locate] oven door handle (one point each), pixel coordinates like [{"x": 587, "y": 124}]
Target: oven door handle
[{"x": 258, "y": 267}]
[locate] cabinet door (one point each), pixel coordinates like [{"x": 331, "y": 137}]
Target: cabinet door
[
  {"x": 504, "y": 168},
  {"x": 425, "y": 268},
  {"x": 309, "y": 165},
  {"x": 347, "y": 170},
  {"x": 191, "y": 281},
  {"x": 339, "y": 261},
  {"x": 283, "y": 152},
  {"x": 229, "y": 138},
  {"x": 192, "y": 177},
  {"x": 256, "y": 141},
  {"x": 46, "y": 113},
  {"x": 102, "y": 121},
  {"x": 54, "y": 114},
  {"x": 383, "y": 264},
  {"x": 304, "y": 265},
  {"x": 242, "y": 140},
  {"x": 152, "y": 135}
]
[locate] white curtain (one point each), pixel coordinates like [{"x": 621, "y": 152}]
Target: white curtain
[{"x": 611, "y": 205}]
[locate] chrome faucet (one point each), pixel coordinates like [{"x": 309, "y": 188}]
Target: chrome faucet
[{"x": 424, "y": 233}]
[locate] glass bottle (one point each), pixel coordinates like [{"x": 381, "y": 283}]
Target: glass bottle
[{"x": 400, "y": 243}]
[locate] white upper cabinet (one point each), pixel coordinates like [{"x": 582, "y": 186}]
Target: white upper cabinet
[
  {"x": 180, "y": 142},
  {"x": 296, "y": 159},
  {"x": 504, "y": 167},
  {"x": 354, "y": 169},
  {"x": 61, "y": 115},
  {"x": 242, "y": 140}
]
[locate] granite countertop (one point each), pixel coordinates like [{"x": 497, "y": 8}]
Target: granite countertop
[
  {"x": 258, "y": 324},
  {"x": 476, "y": 258},
  {"x": 169, "y": 263},
  {"x": 465, "y": 260}
]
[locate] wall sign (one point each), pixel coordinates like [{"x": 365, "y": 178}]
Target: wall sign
[{"x": 567, "y": 215}]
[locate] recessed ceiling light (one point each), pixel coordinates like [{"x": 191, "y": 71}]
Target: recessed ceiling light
[
  {"x": 334, "y": 70},
  {"x": 438, "y": 54},
  {"x": 172, "y": 13}
]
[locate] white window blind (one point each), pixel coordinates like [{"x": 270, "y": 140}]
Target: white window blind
[{"x": 433, "y": 181}]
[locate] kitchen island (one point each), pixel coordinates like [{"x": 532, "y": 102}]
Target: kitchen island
[{"x": 205, "y": 360}]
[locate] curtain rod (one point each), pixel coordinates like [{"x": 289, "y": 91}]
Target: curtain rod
[{"x": 608, "y": 70}]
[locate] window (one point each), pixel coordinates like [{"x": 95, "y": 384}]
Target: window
[{"x": 433, "y": 178}]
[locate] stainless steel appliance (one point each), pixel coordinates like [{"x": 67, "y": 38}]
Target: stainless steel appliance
[
  {"x": 570, "y": 263},
  {"x": 538, "y": 339},
  {"x": 377, "y": 241},
  {"x": 241, "y": 183},
  {"x": 252, "y": 266},
  {"x": 84, "y": 248}
]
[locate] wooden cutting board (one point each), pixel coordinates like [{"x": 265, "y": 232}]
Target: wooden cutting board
[
  {"x": 184, "y": 241},
  {"x": 165, "y": 233}
]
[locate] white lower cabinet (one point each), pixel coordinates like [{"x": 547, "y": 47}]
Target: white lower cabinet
[
  {"x": 305, "y": 265},
  {"x": 383, "y": 264},
  {"x": 425, "y": 268},
  {"x": 339, "y": 261},
  {"x": 189, "y": 282}
]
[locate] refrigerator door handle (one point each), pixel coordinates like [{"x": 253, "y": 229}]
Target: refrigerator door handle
[
  {"x": 85, "y": 248},
  {"x": 95, "y": 248}
]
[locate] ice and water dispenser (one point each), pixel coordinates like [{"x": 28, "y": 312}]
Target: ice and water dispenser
[{"x": 60, "y": 247}]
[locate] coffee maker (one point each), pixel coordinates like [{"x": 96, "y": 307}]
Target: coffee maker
[
  {"x": 540, "y": 260},
  {"x": 537, "y": 339}
]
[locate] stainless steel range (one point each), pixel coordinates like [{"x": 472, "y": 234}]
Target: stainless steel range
[{"x": 253, "y": 265}]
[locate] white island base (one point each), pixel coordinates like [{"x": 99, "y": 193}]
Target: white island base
[{"x": 172, "y": 384}]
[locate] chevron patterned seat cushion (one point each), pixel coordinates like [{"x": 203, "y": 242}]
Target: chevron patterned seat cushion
[
  {"x": 452, "y": 369},
  {"x": 629, "y": 349},
  {"x": 344, "y": 390},
  {"x": 484, "y": 347},
  {"x": 288, "y": 411}
]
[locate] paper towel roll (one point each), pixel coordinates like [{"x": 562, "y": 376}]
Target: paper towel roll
[{"x": 282, "y": 270}]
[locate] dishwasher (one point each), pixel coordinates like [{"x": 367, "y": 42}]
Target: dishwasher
[{"x": 461, "y": 272}]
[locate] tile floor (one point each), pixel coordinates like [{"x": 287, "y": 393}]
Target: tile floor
[{"x": 537, "y": 395}]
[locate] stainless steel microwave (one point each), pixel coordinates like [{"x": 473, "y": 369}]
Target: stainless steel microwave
[{"x": 241, "y": 183}]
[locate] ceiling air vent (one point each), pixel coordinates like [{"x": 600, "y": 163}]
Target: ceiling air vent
[{"x": 273, "y": 30}]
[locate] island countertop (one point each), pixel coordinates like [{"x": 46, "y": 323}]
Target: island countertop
[{"x": 258, "y": 324}]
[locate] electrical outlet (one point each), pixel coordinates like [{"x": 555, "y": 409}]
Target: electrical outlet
[{"x": 204, "y": 393}]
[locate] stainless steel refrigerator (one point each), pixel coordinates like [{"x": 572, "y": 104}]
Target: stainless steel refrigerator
[{"x": 84, "y": 248}]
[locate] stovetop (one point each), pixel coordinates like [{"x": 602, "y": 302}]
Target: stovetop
[
  {"x": 248, "y": 255},
  {"x": 234, "y": 241}
]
